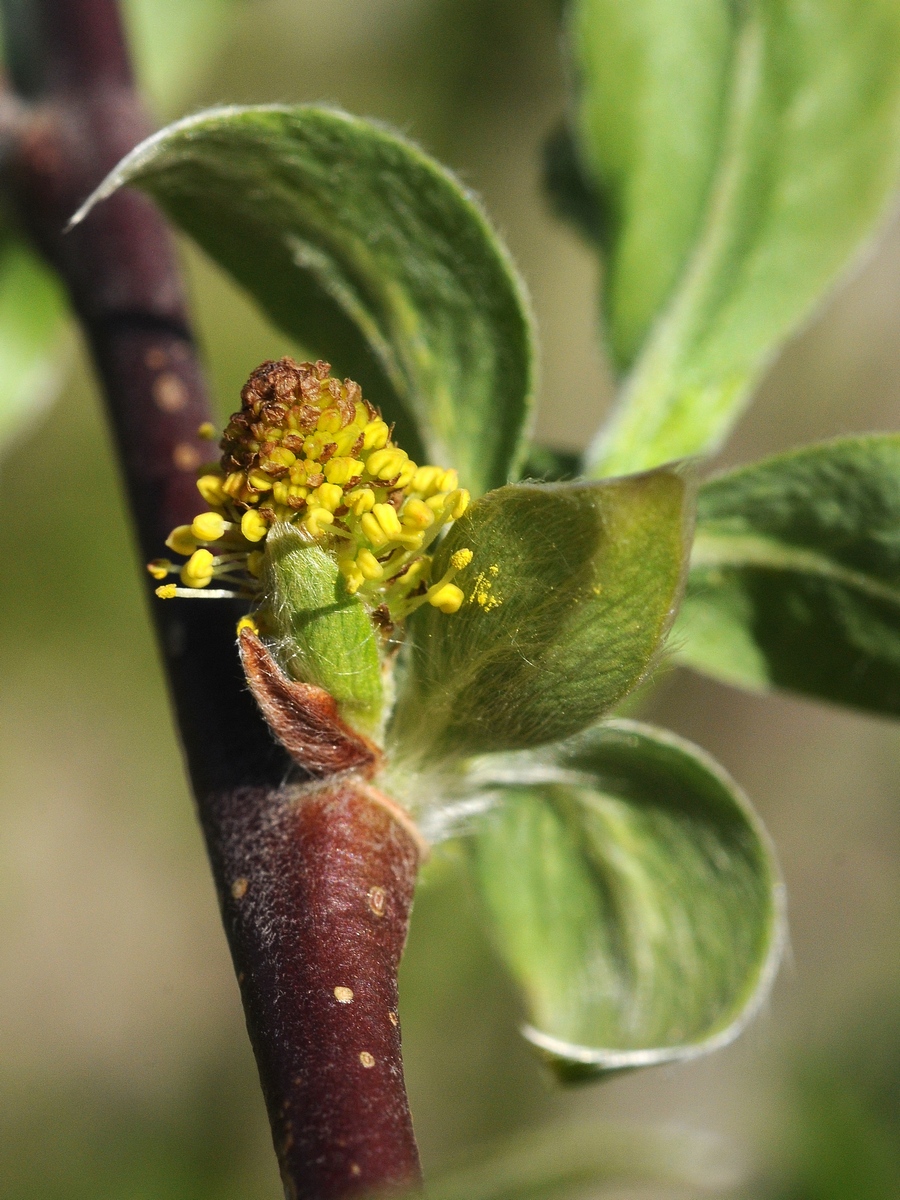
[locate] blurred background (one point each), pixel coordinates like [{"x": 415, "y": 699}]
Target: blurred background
[{"x": 125, "y": 1072}]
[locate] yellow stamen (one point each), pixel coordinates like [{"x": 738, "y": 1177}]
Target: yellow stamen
[
  {"x": 254, "y": 527},
  {"x": 159, "y": 568},
  {"x": 211, "y": 489},
  {"x": 247, "y": 623},
  {"x": 167, "y": 591},
  {"x": 181, "y": 540},
  {"x": 198, "y": 571},
  {"x": 208, "y": 527},
  {"x": 447, "y": 597}
]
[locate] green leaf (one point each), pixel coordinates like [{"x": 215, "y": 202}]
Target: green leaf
[
  {"x": 32, "y": 316},
  {"x": 322, "y": 634},
  {"x": 367, "y": 252},
  {"x": 560, "y": 1161},
  {"x": 743, "y": 153},
  {"x": 633, "y": 896},
  {"x": 569, "y": 595},
  {"x": 795, "y": 576}
]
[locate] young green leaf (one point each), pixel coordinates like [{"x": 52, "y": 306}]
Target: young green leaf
[
  {"x": 743, "y": 154},
  {"x": 369, "y": 254},
  {"x": 323, "y": 635},
  {"x": 633, "y": 896},
  {"x": 32, "y": 316},
  {"x": 569, "y": 594},
  {"x": 795, "y": 576}
]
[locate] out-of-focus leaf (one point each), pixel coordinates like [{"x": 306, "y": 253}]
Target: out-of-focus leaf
[
  {"x": 323, "y": 635},
  {"x": 175, "y": 44},
  {"x": 742, "y": 153},
  {"x": 651, "y": 80},
  {"x": 633, "y": 896},
  {"x": 795, "y": 576},
  {"x": 572, "y": 194},
  {"x": 570, "y": 592},
  {"x": 561, "y": 1161},
  {"x": 550, "y": 466},
  {"x": 32, "y": 317},
  {"x": 370, "y": 254}
]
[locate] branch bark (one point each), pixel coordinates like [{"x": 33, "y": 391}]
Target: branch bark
[{"x": 295, "y": 864}]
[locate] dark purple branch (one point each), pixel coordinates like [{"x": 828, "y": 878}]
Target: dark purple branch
[{"x": 305, "y": 857}]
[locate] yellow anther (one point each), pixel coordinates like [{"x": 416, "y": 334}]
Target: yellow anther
[
  {"x": 360, "y": 501},
  {"x": 281, "y": 491},
  {"x": 208, "y": 527},
  {"x": 211, "y": 489},
  {"x": 449, "y": 481},
  {"x": 341, "y": 470},
  {"x": 207, "y": 431},
  {"x": 436, "y": 503},
  {"x": 298, "y": 474},
  {"x": 375, "y": 435},
  {"x": 327, "y": 495},
  {"x": 283, "y": 456},
  {"x": 259, "y": 480},
  {"x": 181, "y": 540},
  {"x": 369, "y": 565},
  {"x": 255, "y": 560},
  {"x": 418, "y": 571},
  {"x": 372, "y": 530},
  {"x": 385, "y": 464},
  {"x": 354, "y": 579},
  {"x": 445, "y": 596},
  {"x": 314, "y": 445},
  {"x": 425, "y": 480},
  {"x": 247, "y": 623},
  {"x": 316, "y": 518},
  {"x": 406, "y": 473},
  {"x": 386, "y": 516},
  {"x": 346, "y": 440},
  {"x": 458, "y": 502},
  {"x": 234, "y": 484},
  {"x": 417, "y": 515},
  {"x": 460, "y": 559},
  {"x": 330, "y": 421},
  {"x": 198, "y": 570},
  {"x": 159, "y": 568},
  {"x": 412, "y": 540},
  {"x": 167, "y": 591},
  {"x": 254, "y": 526}
]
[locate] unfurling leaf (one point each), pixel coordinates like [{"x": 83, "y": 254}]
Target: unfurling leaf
[
  {"x": 632, "y": 894},
  {"x": 322, "y": 634},
  {"x": 742, "y": 153},
  {"x": 795, "y": 577},
  {"x": 569, "y": 593},
  {"x": 368, "y": 253},
  {"x": 32, "y": 317}
]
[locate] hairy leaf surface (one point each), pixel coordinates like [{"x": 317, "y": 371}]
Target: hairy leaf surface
[
  {"x": 742, "y": 153},
  {"x": 633, "y": 896},
  {"x": 370, "y": 254},
  {"x": 323, "y": 635},
  {"x": 795, "y": 576},
  {"x": 571, "y": 591}
]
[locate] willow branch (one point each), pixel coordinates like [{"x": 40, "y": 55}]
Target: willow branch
[{"x": 295, "y": 863}]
